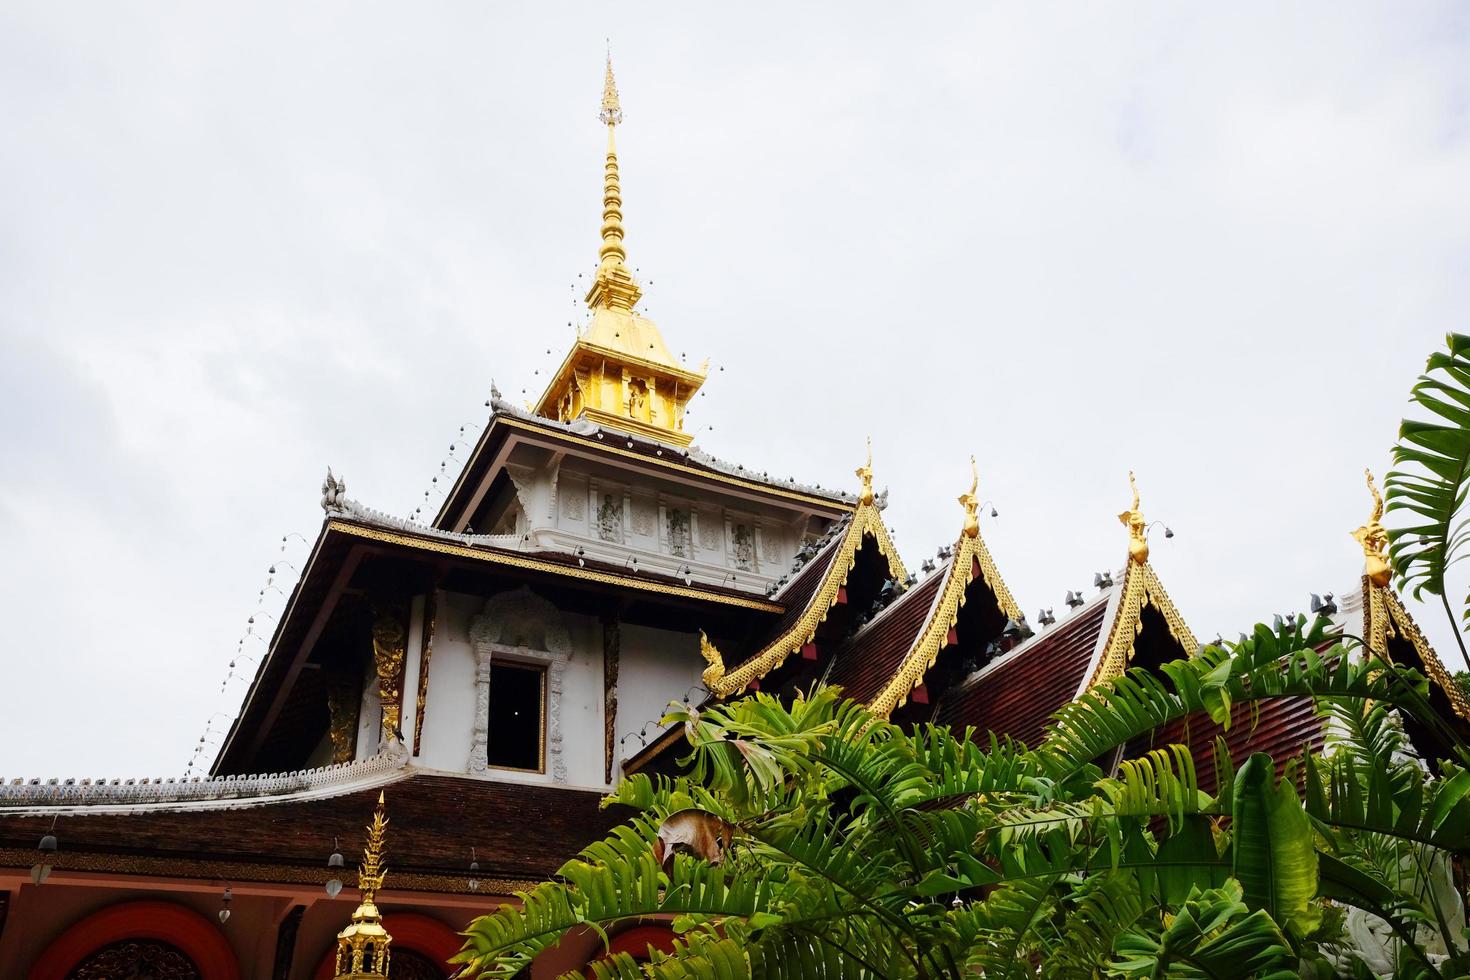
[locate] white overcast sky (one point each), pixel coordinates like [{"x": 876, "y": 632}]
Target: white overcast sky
[{"x": 239, "y": 243}]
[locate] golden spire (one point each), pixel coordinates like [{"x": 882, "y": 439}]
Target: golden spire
[
  {"x": 1137, "y": 527},
  {"x": 1374, "y": 540},
  {"x": 614, "y": 286},
  {"x": 620, "y": 374},
  {"x": 971, "y": 503},
  {"x": 362, "y": 948},
  {"x": 865, "y": 473}
]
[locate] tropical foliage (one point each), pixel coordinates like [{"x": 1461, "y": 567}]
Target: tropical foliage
[
  {"x": 815, "y": 840},
  {"x": 1431, "y": 478}
]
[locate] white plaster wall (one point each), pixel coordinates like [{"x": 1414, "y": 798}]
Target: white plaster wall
[
  {"x": 656, "y": 667},
  {"x": 450, "y": 704}
]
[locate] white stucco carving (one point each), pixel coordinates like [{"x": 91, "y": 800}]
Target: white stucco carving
[{"x": 520, "y": 626}]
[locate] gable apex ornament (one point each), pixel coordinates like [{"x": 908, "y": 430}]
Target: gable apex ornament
[
  {"x": 1137, "y": 526},
  {"x": 865, "y": 474},
  {"x": 1374, "y": 540},
  {"x": 971, "y": 503}
]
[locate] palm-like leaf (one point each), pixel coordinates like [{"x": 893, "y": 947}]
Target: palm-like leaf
[{"x": 1432, "y": 473}]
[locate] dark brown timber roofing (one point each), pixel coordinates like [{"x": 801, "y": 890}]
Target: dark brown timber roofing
[
  {"x": 1017, "y": 696},
  {"x": 866, "y": 662},
  {"x": 434, "y": 822}
]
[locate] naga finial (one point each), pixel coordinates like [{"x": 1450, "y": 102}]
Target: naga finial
[
  {"x": 715, "y": 672},
  {"x": 1137, "y": 526},
  {"x": 1374, "y": 540},
  {"x": 971, "y": 503},
  {"x": 865, "y": 474}
]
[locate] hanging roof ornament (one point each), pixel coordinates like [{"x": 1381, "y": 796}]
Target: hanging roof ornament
[
  {"x": 1374, "y": 540},
  {"x": 362, "y": 948},
  {"x": 1137, "y": 526}
]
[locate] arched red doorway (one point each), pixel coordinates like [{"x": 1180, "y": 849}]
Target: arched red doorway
[
  {"x": 430, "y": 938},
  {"x": 636, "y": 940},
  {"x": 185, "y": 930}
]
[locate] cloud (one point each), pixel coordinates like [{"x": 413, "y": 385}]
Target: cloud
[{"x": 1213, "y": 246}]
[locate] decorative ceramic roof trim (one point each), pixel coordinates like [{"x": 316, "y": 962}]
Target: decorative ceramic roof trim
[
  {"x": 101, "y": 795},
  {"x": 1383, "y": 616},
  {"x": 866, "y": 522},
  {"x": 1141, "y": 588},
  {"x": 550, "y": 567},
  {"x": 945, "y": 612}
]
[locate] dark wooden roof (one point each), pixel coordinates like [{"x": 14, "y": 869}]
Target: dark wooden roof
[
  {"x": 1017, "y": 696},
  {"x": 1279, "y": 727},
  {"x": 866, "y": 662},
  {"x": 520, "y": 832}
]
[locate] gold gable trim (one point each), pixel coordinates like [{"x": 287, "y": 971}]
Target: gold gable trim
[
  {"x": 866, "y": 522},
  {"x": 1384, "y": 616},
  {"x": 925, "y": 650},
  {"x": 1141, "y": 588}
]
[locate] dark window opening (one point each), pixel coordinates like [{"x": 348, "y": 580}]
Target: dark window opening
[{"x": 517, "y": 716}]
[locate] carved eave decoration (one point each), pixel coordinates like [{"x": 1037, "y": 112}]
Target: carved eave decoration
[
  {"x": 970, "y": 553},
  {"x": 1140, "y": 589},
  {"x": 1384, "y": 617},
  {"x": 867, "y": 522}
]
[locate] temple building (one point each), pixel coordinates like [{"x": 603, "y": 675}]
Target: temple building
[{"x": 480, "y": 680}]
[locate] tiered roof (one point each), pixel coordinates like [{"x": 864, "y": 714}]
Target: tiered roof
[{"x": 811, "y": 594}]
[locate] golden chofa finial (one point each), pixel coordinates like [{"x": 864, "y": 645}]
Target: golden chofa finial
[
  {"x": 362, "y": 948},
  {"x": 614, "y": 286},
  {"x": 1137, "y": 527},
  {"x": 865, "y": 474},
  {"x": 1374, "y": 540},
  {"x": 971, "y": 503}
]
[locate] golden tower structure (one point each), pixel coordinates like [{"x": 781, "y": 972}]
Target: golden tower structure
[
  {"x": 619, "y": 373},
  {"x": 362, "y": 948}
]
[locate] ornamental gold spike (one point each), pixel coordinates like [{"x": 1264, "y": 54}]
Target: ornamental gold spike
[
  {"x": 865, "y": 474},
  {"x": 1374, "y": 540},
  {"x": 614, "y": 286},
  {"x": 1137, "y": 527},
  {"x": 362, "y": 947},
  {"x": 971, "y": 503}
]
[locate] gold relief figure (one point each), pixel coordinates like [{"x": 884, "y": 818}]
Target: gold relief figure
[
  {"x": 638, "y": 400},
  {"x": 343, "y": 705},
  {"x": 1137, "y": 526},
  {"x": 388, "y": 648},
  {"x": 1374, "y": 540}
]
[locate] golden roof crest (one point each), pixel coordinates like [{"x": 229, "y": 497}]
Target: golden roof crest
[
  {"x": 1137, "y": 526},
  {"x": 865, "y": 474},
  {"x": 1374, "y": 540},
  {"x": 971, "y": 503}
]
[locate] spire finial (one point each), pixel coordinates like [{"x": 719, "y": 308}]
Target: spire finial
[
  {"x": 1137, "y": 526},
  {"x": 614, "y": 286},
  {"x": 971, "y": 503},
  {"x": 612, "y": 111},
  {"x": 865, "y": 474},
  {"x": 362, "y": 947},
  {"x": 1374, "y": 540}
]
